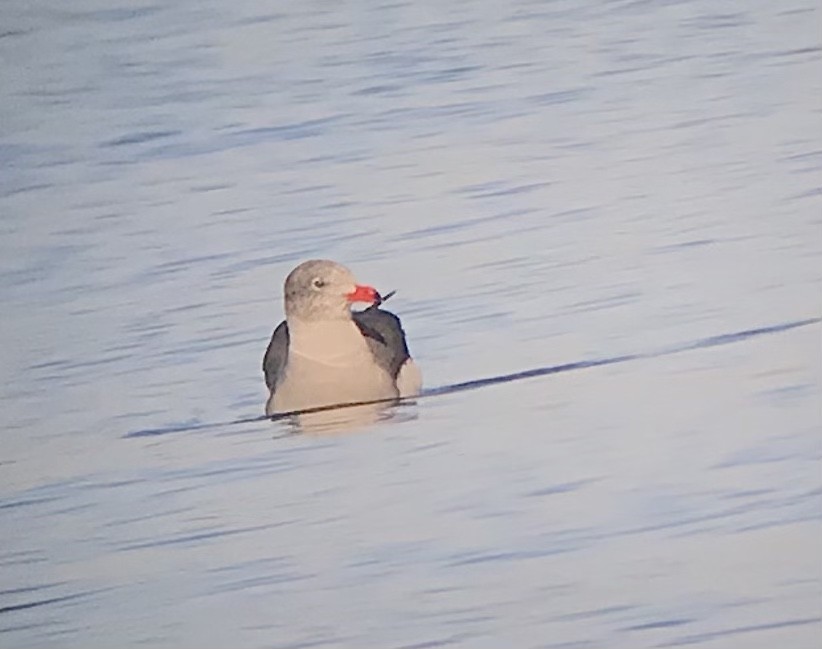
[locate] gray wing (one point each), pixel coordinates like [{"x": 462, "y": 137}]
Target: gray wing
[
  {"x": 385, "y": 337},
  {"x": 276, "y": 355}
]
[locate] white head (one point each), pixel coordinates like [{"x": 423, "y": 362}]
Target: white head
[{"x": 324, "y": 290}]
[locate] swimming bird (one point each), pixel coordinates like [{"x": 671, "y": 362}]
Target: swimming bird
[{"x": 324, "y": 353}]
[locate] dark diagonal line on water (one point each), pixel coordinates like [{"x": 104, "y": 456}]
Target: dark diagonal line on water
[{"x": 702, "y": 343}]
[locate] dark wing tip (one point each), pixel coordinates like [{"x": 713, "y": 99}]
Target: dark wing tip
[{"x": 384, "y": 298}]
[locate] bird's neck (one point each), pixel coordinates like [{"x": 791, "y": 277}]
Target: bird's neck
[{"x": 326, "y": 341}]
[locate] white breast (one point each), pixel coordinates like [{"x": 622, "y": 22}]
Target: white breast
[{"x": 328, "y": 363}]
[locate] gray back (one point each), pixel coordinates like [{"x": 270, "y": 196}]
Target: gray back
[{"x": 385, "y": 337}]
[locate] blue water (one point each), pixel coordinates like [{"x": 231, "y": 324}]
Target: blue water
[{"x": 544, "y": 183}]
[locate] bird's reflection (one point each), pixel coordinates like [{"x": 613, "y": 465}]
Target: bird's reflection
[{"x": 350, "y": 418}]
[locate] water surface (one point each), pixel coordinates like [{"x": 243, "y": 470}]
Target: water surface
[{"x": 544, "y": 182}]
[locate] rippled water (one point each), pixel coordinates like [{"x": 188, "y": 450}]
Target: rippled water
[{"x": 544, "y": 183}]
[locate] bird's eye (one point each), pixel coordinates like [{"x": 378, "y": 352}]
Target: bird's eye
[{"x": 317, "y": 282}]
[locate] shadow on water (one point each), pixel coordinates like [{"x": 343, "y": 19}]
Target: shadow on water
[{"x": 327, "y": 417}]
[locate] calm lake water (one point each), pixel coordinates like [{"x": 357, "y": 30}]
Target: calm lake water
[{"x": 543, "y": 182}]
